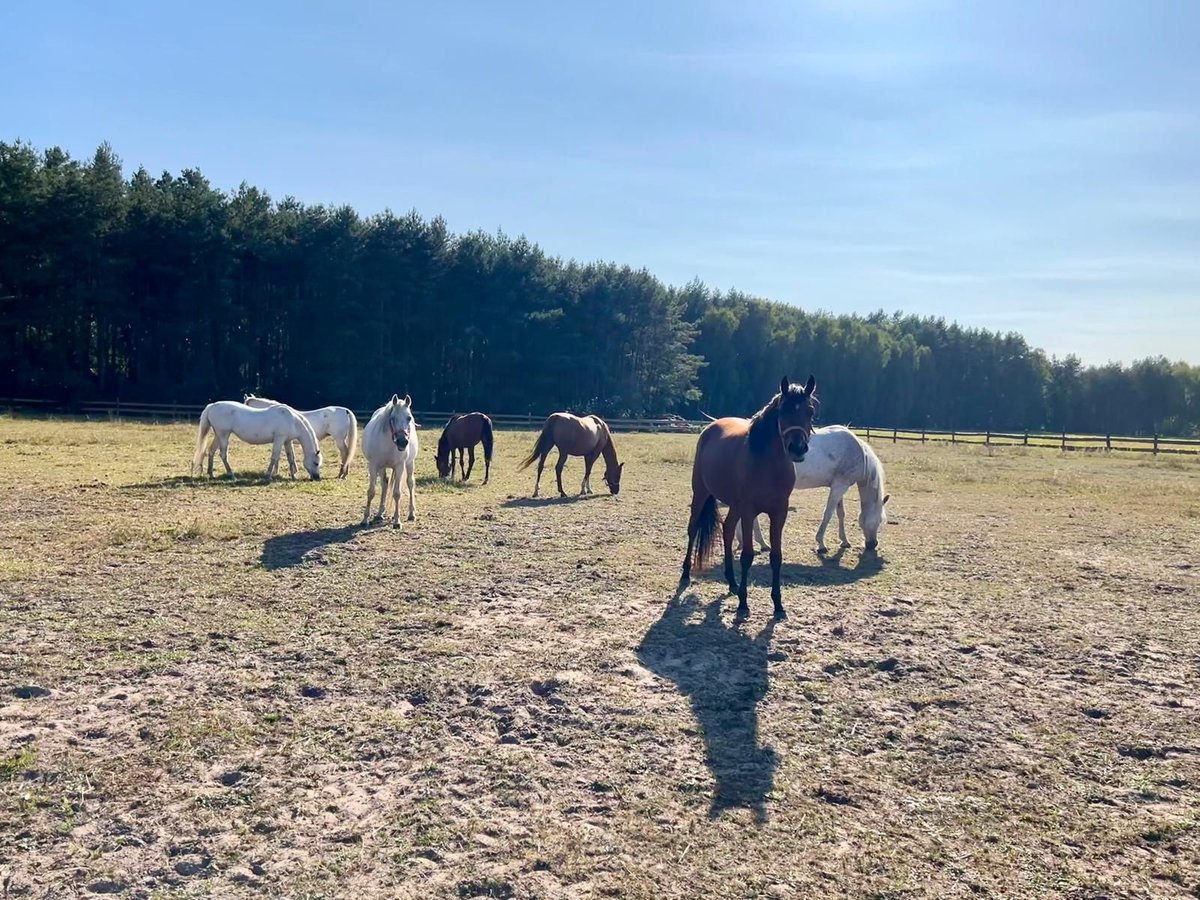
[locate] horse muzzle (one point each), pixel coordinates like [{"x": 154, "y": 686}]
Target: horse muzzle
[
  {"x": 401, "y": 441},
  {"x": 797, "y": 450}
]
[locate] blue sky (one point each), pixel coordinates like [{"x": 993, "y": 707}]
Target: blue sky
[{"x": 1024, "y": 166}]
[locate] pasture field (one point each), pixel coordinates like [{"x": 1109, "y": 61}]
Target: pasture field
[{"x": 230, "y": 689}]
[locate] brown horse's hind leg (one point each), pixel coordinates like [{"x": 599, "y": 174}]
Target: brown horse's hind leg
[
  {"x": 777, "y": 521},
  {"x": 731, "y": 524},
  {"x": 699, "y": 498},
  {"x": 743, "y": 608},
  {"x": 470, "y": 463},
  {"x": 558, "y": 469},
  {"x": 537, "y": 485}
]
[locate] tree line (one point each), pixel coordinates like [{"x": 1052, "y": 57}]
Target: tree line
[{"x": 168, "y": 289}]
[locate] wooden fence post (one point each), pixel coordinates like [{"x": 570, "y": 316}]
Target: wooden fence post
[
  {"x": 1026, "y": 439},
  {"x": 1064, "y": 442},
  {"x": 953, "y": 437},
  {"x": 868, "y": 433},
  {"x": 1156, "y": 443},
  {"x": 922, "y": 435},
  {"x": 893, "y": 435},
  {"x": 1108, "y": 442},
  {"x": 987, "y": 438}
]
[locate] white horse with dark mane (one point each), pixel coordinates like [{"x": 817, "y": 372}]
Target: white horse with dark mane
[
  {"x": 390, "y": 443},
  {"x": 337, "y": 422},
  {"x": 277, "y": 425},
  {"x": 837, "y": 459}
]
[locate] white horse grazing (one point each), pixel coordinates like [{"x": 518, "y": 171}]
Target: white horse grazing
[
  {"x": 390, "y": 442},
  {"x": 837, "y": 459},
  {"x": 278, "y": 425},
  {"x": 336, "y": 421}
]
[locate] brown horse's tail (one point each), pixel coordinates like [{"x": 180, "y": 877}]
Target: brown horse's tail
[
  {"x": 486, "y": 437},
  {"x": 544, "y": 442},
  {"x": 707, "y": 527}
]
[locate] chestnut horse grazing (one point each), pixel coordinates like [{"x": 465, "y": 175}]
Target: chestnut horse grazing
[
  {"x": 748, "y": 465},
  {"x": 462, "y": 433},
  {"x": 588, "y": 437}
]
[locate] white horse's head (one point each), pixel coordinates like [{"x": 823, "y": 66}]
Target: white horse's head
[
  {"x": 871, "y": 517},
  {"x": 400, "y": 421}
]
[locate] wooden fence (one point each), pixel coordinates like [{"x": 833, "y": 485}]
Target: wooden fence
[{"x": 1063, "y": 441}]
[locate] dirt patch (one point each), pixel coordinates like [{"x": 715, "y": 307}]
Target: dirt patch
[{"x": 232, "y": 689}]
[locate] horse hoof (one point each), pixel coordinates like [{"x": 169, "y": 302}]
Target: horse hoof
[
  {"x": 780, "y": 615},
  {"x": 821, "y": 551},
  {"x": 743, "y": 611},
  {"x": 845, "y": 545},
  {"x": 412, "y": 517}
]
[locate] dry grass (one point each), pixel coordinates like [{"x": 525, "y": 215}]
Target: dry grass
[{"x": 214, "y": 689}]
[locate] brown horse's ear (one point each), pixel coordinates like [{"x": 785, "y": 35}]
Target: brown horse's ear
[
  {"x": 886, "y": 497},
  {"x": 811, "y": 386},
  {"x": 621, "y": 467},
  {"x": 784, "y": 384}
]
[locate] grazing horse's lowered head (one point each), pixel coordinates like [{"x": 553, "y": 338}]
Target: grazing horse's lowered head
[{"x": 400, "y": 420}]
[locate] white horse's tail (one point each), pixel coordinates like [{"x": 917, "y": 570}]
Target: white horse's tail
[
  {"x": 205, "y": 428},
  {"x": 351, "y": 440}
]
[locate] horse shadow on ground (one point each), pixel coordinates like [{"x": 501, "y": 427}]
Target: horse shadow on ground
[
  {"x": 723, "y": 673},
  {"x": 219, "y": 482},
  {"x": 519, "y": 502},
  {"x": 286, "y": 550},
  {"x": 827, "y": 570}
]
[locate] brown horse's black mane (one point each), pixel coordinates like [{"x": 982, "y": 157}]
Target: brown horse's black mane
[
  {"x": 764, "y": 425},
  {"x": 444, "y": 440}
]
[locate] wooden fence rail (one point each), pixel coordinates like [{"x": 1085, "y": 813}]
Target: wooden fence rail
[{"x": 1062, "y": 441}]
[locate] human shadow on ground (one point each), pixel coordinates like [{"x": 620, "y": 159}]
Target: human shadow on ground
[
  {"x": 723, "y": 673},
  {"x": 286, "y": 550}
]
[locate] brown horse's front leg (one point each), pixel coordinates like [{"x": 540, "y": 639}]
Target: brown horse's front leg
[
  {"x": 586, "y": 487},
  {"x": 777, "y": 520},
  {"x": 743, "y": 608},
  {"x": 558, "y": 469}
]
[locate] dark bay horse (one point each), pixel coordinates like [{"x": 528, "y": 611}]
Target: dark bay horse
[
  {"x": 748, "y": 465},
  {"x": 588, "y": 437},
  {"x": 462, "y": 433}
]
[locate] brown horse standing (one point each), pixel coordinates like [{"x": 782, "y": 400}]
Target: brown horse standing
[
  {"x": 462, "y": 433},
  {"x": 588, "y": 437},
  {"x": 747, "y": 464}
]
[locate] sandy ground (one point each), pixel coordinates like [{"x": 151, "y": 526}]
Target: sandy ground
[{"x": 215, "y": 689}]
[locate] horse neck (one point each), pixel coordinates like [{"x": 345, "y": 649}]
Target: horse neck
[
  {"x": 304, "y": 433},
  {"x": 609, "y": 451},
  {"x": 764, "y": 432}
]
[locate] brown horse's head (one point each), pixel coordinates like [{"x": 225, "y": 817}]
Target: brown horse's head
[
  {"x": 795, "y": 411},
  {"x": 612, "y": 477},
  {"x": 444, "y": 464}
]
